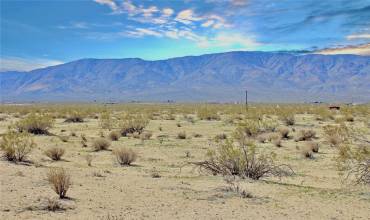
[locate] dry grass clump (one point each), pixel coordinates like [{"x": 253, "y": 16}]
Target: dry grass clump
[
  {"x": 336, "y": 135},
  {"x": 254, "y": 127},
  {"x": 64, "y": 138},
  {"x": 75, "y": 117},
  {"x": 55, "y": 153},
  {"x": 101, "y": 144},
  {"x": 181, "y": 135},
  {"x": 60, "y": 181},
  {"x": 35, "y": 124},
  {"x": 275, "y": 140},
  {"x": 307, "y": 152},
  {"x": 114, "y": 135},
  {"x": 314, "y": 146},
  {"x": 131, "y": 124},
  {"x": 89, "y": 159},
  {"x": 220, "y": 137},
  {"x": 106, "y": 121},
  {"x": 242, "y": 160},
  {"x": 125, "y": 156},
  {"x": 349, "y": 118},
  {"x": 284, "y": 132},
  {"x": 197, "y": 135},
  {"x": 54, "y": 205},
  {"x": 208, "y": 114},
  {"x": 288, "y": 119},
  {"x": 146, "y": 135},
  {"x": 16, "y": 146},
  {"x": 305, "y": 135}
]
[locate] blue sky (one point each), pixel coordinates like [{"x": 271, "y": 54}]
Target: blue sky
[{"x": 41, "y": 33}]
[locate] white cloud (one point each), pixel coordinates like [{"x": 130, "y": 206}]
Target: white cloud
[
  {"x": 167, "y": 12},
  {"x": 208, "y": 23},
  {"x": 23, "y": 64},
  {"x": 229, "y": 40},
  {"x": 358, "y": 36},
  {"x": 141, "y": 32},
  {"x": 187, "y": 17},
  {"x": 110, "y": 3}
]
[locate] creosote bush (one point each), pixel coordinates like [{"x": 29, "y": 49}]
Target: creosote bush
[
  {"x": 55, "y": 153},
  {"x": 101, "y": 144},
  {"x": 35, "y": 124},
  {"x": 242, "y": 160},
  {"x": 60, "y": 181},
  {"x": 16, "y": 146},
  {"x": 125, "y": 156}
]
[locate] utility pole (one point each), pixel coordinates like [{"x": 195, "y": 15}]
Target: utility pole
[{"x": 246, "y": 100}]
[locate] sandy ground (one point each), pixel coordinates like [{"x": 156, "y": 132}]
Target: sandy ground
[{"x": 108, "y": 191}]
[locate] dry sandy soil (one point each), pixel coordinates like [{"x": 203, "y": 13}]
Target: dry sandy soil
[{"x": 106, "y": 190}]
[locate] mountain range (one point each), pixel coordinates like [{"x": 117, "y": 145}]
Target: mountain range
[{"x": 221, "y": 77}]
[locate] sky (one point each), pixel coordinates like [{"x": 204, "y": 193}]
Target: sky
[{"x": 36, "y": 34}]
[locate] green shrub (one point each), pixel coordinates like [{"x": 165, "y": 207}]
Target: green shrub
[
  {"x": 243, "y": 161},
  {"x": 131, "y": 124},
  {"x": 35, "y": 124},
  {"x": 16, "y": 146}
]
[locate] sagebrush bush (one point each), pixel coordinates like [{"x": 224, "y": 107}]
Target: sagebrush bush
[
  {"x": 60, "y": 181},
  {"x": 35, "y": 124},
  {"x": 114, "y": 135},
  {"x": 55, "y": 153},
  {"x": 125, "y": 156},
  {"x": 101, "y": 144},
  {"x": 16, "y": 146}
]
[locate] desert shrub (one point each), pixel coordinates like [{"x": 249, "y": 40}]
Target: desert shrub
[
  {"x": 64, "y": 138},
  {"x": 125, "y": 156},
  {"x": 54, "y": 205},
  {"x": 307, "y": 152},
  {"x": 60, "y": 181},
  {"x": 181, "y": 135},
  {"x": 178, "y": 124},
  {"x": 101, "y": 144},
  {"x": 284, "y": 132},
  {"x": 75, "y": 117},
  {"x": 336, "y": 134},
  {"x": 262, "y": 138},
  {"x": 305, "y": 135},
  {"x": 197, "y": 135},
  {"x": 314, "y": 146},
  {"x": 220, "y": 137},
  {"x": 275, "y": 139},
  {"x": 35, "y": 124},
  {"x": 55, "y": 153},
  {"x": 349, "y": 118},
  {"x": 146, "y": 135},
  {"x": 206, "y": 113},
  {"x": 242, "y": 160},
  {"x": 114, "y": 135},
  {"x": 253, "y": 127},
  {"x": 16, "y": 146},
  {"x": 89, "y": 159},
  {"x": 354, "y": 162},
  {"x": 131, "y": 124},
  {"x": 106, "y": 121},
  {"x": 288, "y": 119},
  {"x": 83, "y": 140}
]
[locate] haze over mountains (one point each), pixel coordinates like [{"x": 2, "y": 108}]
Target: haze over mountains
[{"x": 268, "y": 76}]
